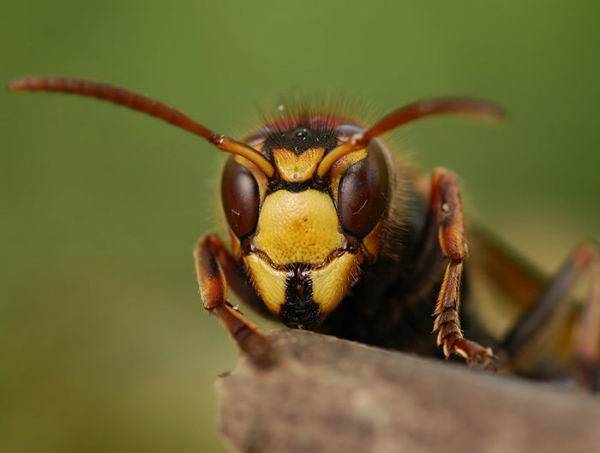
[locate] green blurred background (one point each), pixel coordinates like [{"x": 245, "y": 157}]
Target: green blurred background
[{"x": 103, "y": 342}]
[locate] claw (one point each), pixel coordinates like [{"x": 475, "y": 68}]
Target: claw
[
  {"x": 476, "y": 356},
  {"x": 484, "y": 360}
]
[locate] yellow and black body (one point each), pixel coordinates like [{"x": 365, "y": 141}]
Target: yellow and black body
[
  {"x": 304, "y": 239},
  {"x": 354, "y": 254},
  {"x": 330, "y": 231}
]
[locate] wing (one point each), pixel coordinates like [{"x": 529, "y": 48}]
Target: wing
[{"x": 502, "y": 283}]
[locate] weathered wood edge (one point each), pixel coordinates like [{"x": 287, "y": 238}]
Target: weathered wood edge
[{"x": 327, "y": 394}]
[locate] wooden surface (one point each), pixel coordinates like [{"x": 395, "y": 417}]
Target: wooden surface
[{"x": 327, "y": 394}]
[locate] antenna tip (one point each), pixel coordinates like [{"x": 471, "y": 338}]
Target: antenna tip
[
  {"x": 482, "y": 110},
  {"x": 492, "y": 112}
]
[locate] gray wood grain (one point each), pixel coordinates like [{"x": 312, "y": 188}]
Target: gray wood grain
[{"x": 327, "y": 394}]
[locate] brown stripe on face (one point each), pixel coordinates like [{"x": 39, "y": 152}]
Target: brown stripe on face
[
  {"x": 299, "y": 309},
  {"x": 303, "y": 294}
]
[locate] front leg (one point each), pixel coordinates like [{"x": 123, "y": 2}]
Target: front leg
[
  {"x": 211, "y": 257},
  {"x": 446, "y": 211}
]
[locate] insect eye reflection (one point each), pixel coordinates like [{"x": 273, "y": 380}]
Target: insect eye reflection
[
  {"x": 363, "y": 193},
  {"x": 240, "y": 197}
]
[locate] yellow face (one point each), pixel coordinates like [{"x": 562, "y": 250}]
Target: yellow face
[
  {"x": 301, "y": 230},
  {"x": 300, "y": 258}
]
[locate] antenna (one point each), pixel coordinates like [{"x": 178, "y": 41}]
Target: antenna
[{"x": 140, "y": 103}]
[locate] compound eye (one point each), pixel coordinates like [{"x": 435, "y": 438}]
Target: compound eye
[
  {"x": 240, "y": 198},
  {"x": 363, "y": 193}
]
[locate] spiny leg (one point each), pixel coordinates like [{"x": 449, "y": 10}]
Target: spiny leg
[
  {"x": 586, "y": 332},
  {"x": 446, "y": 211},
  {"x": 209, "y": 255}
]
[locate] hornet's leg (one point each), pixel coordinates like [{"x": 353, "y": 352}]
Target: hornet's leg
[
  {"x": 211, "y": 261},
  {"x": 446, "y": 210},
  {"x": 586, "y": 330}
]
